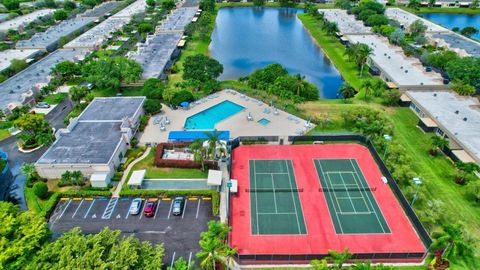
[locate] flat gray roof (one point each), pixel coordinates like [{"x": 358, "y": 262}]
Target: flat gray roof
[
  {"x": 98, "y": 34},
  {"x": 23, "y": 20},
  {"x": 442, "y": 107},
  {"x": 53, "y": 34},
  {"x": 111, "y": 108},
  {"x": 178, "y": 19},
  {"x": 12, "y": 89},
  {"x": 8, "y": 55},
  {"x": 456, "y": 42},
  {"x": 347, "y": 24},
  {"x": 102, "y": 9},
  {"x": 92, "y": 143},
  {"x": 403, "y": 70},
  {"x": 134, "y": 8},
  {"x": 406, "y": 18},
  {"x": 154, "y": 55}
]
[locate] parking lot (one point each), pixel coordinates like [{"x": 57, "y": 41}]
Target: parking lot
[{"x": 180, "y": 234}]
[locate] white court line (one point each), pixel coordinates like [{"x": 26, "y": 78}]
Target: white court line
[
  {"x": 277, "y": 213},
  {"x": 362, "y": 193},
  {"x": 189, "y": 260},
  {"x": 293, "y": 198},
  {"x": 184, "y": 208},
  {"x": 173, "y": 259},
  {"x": 274, "y": 195},
  {"x": 368, "y": 197},
  {"x": 65, "y": 209},
  {"x": 256, "y": 196},
  {"x": 156, "y": 209},
  {"x": 348, "y": 193},
  {"x": 78, "y": 207},
  {"x": 198, "y": 208},
  {"x": 169, "y": 211},
  {"x": 88, "y": 211},
  {"x": 143, "y": 209},
  {"x": 330, "y": 195}
]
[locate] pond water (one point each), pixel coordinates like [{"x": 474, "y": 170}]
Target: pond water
[
  {"x": 455, "y": 20},
  {"x": 249, "y": 38}
]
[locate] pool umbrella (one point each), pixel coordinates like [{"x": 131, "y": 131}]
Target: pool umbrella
[{"x": 184, "y": 104}]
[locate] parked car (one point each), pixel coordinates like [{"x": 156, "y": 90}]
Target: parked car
[
  {"x": 150, "y": 208},
  {"x": 136, "y": 206},
  {"x": 178, "y": 204},
  {"x": 42, "y": 105}
]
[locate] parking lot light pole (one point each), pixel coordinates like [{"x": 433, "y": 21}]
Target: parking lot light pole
[
  {"x": 388, "y": 138},
  {"x": 418, "y": 182}
]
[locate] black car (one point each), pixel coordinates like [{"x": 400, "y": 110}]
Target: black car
[{"x": 178, "y": 204}]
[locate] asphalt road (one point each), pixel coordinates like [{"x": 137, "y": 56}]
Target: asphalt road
[{"x": 180, "y": 234}]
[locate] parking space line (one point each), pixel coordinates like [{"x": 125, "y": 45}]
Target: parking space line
[
  {"x": 65, "y": 209},
  {"x": 166, "y": 199},
  {"x": 192, "y": 198},
  {"x": 76, "y": 199},
  {"x": 78, "y": 207},
  {"x": 129, "y": 208},
  {"x": 189, "y": 260},
  {"x": 145, "y": 204},
  {"x": 173, "y": 259},
  {"x": 88, "y": 199},
  {"x": 88, "y": 211},
  {"x": 184, "y": 208},
  {"x": 198, "y": 208},
  {"x": 156, "y": 210},
  {"x": 169, "y": 211}
]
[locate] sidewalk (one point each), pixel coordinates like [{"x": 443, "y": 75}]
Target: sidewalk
[{"x": 116, "y": 193}]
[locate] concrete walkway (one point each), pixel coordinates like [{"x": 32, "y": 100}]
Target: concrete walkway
[{"x": 116, "y": 193}]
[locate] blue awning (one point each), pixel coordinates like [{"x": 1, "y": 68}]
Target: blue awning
[{"x": 190, "y": 136}]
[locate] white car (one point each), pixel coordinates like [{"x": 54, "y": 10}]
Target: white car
[{"x": 136, "y": 206}]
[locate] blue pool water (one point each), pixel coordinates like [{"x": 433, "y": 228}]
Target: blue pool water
[
  {"x": 454, "y": 20},
  {"x": 249, "y": 38},
  {"x": 264, "y": 121},
  {"x": 207, "y": 119}
]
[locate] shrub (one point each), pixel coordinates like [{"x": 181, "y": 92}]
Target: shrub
[
  {"x": 143, "y": 123},
  {"x": 152, "y": 106},
  {"x": 40, "y": 189},
  {"x": 182, "y": 96}
]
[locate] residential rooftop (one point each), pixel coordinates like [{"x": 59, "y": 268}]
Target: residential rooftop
[
  {"x": 113, "y": 109},
  {"x": 137, "y": 7},
  {"x": 8, "y": 55},
  {"x": 101, "y": 10},
  {"x": 178, "y": 19},
  {"x": 30, "y": 78},
  {"x": 48, "y": 39},
  {"x": 24, "y": 20},
  {"x": 402, "y": 70},
  {"x": 347, "y": 24},
  {"x": 98, "y": 34},
  {"x": 459, "y": 116},
  {"x": 406, "y": 18},
  {"x": 156, "y": 53},
  {"x": 458, "y": 43},
  {"x": 3, "y": 17}
]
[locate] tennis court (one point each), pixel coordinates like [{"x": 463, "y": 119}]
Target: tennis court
[
  {"x": 275, "y": 203},
  {"x": 350, "y": 201}
]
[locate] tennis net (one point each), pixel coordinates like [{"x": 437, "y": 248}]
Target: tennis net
[
  {"x": 347, "y": 189},
  {"x": 252, "y": 190}
]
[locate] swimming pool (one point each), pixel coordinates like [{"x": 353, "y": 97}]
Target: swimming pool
[
  {"x": 263, "y": 121},
  {"x": 207, "y": 118}
]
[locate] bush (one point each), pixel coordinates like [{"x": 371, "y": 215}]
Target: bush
[
  {"x": 143, "y": 123},
  {"x": 181, "y": 96},
  {"x": 40, "y": 189},
  {"x": 153, "y": 88},
  {"x": 152, "y": 106}
]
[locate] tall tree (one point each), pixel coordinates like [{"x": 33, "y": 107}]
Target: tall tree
[
  {"x": 339, "y": 258},
  {"x": 109, "y": 73},
  {"x": 35, "y": 130},
  {"x": 347, "y": 91},
  {"x": 367, "y": 85},
  {"x": 469, "y": 31},
  {"x": 214, "y": 250},
  {"x": 202, "y": 68},
  {"x": 452, "y": 241}
]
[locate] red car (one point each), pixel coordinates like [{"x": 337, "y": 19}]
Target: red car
[{"x": 150, "y": 208}]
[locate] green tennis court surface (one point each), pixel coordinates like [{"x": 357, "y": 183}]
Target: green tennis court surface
[
  {"x": 275, "y": 204},
  {"x": 352, "y": 207}
]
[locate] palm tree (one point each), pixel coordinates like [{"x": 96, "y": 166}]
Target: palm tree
[
  {"x": 362, "y": 265},
  {"x": 363, "y": 51},
  {"x": 299, "y": 85},
  {"x": 210, "y": 254},
  {"x": 28, "y": 169},
  {"x": 339, "y": 258},
  {"x": 198, "y": 152},
  {"x": 180, "y": 264},
  {"x": 378, "y": 87},
  {"x": 452, "y": 241},
  {"x": 350, "y": 52},
  {"x": 347, "y": 90},
  {"x": 438, "y": 143},
  {"x": 319, "y": 264},
  {"x": 368, "y": 86},
  {"x": 212, "y": 138}
]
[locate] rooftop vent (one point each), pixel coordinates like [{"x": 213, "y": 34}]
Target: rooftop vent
[
  {"x": 434, "y": 94},
  {"x": 465, "y": 119},
  {"x": 456, "y": 112}
]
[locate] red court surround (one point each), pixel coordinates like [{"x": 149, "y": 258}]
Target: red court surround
[{"x": 321, "y": 235}]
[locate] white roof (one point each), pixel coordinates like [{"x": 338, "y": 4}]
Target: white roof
[
  {"x": 214, "y": 178},
  {"x": 442, "y": 106},
  {"x": 137, "y": 177},
  {"x": 403, "y": 70},
  {"x": 406, "y": 18},
  {"x": 347, "y": 24},
  {"x": 19, "y": 21},
  {"x": 99, "y": 177},
  {"x": 8, "y": 55}
]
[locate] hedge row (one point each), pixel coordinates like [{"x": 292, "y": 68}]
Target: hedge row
[
  {"x": 176, "y": 163},
  {"x": 173, "y": 193}
]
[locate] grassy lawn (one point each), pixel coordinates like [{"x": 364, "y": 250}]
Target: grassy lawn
[
  {"x": 267, "y": 4},
  {"x": 154, "y": 172},
  {"x": 334, "y": 50},
  {"x": 449, "y": 10},
  {"x": 54, "y": 98},
  {"x": 33, "y": 203},
  {"x": 437, "y": 174},
  {"x": 4, "y": 134}
]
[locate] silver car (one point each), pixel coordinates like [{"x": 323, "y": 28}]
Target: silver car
[{"x": 136, "y": 206}]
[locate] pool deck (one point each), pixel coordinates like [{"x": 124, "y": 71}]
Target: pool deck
[{"x": 283, "y": 124}]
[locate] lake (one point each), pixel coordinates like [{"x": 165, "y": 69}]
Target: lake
[
  {"x": 249, "y": 38},
  {"x": 454, "y": 20}
]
